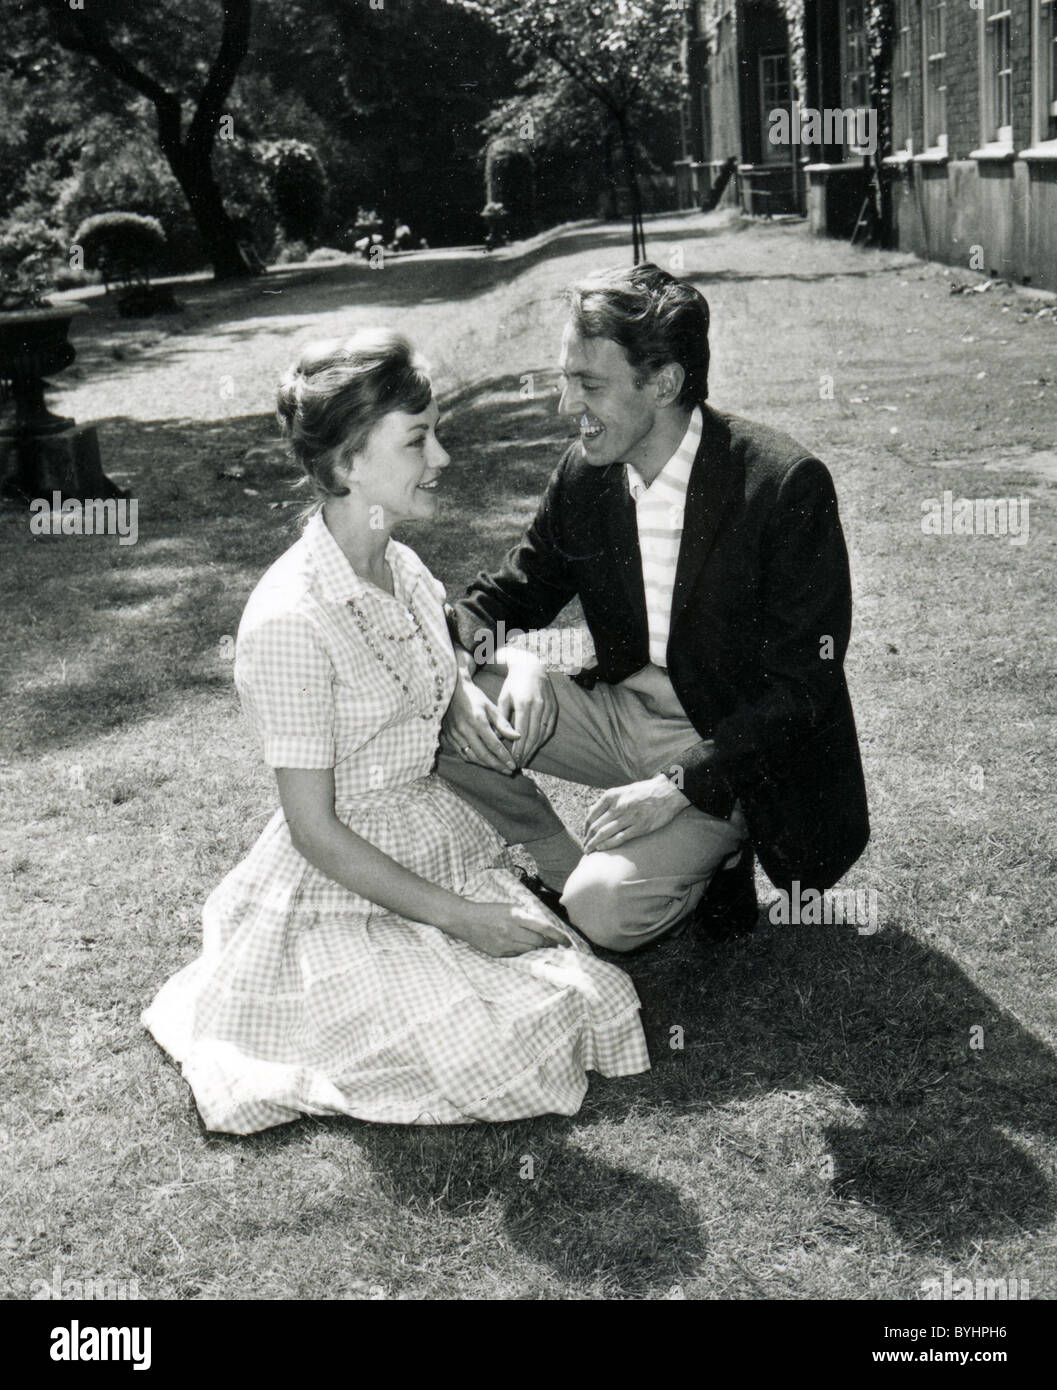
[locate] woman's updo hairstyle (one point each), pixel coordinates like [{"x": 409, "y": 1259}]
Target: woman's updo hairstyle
[{"x": 338, "y": 391}]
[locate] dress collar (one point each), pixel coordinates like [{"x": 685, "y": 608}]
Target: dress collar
[{"x": 337, "y": 578}]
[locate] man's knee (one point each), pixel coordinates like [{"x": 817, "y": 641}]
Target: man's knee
[{"x": 603, "y": 905}]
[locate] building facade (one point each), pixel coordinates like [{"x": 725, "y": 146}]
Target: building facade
[
  {"x": 956, "y": 98},
  {"x": 974, "y": 135}
]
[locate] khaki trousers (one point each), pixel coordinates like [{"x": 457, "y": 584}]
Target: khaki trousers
[{"x": 623, "y": 898}]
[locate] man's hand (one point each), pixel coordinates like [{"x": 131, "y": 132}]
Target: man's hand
[
  {"x": 624, "y": 813},
  {"x": 474, "y": 728},
  {"x": 528, "y": 702}
]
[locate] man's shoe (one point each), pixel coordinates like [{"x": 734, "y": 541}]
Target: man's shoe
[
  {"x": 547, "y": 896},
  {"x": 729, "y": 906}
]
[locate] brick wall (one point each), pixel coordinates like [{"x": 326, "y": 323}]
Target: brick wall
[
  {"x": 1022, "y": 83},
  {"x": 964, "y": 59},
  {"x": 963, "y": 67}
]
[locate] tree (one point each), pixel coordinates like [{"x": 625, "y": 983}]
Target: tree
[
  {"x": 45, "y": 96},
  {"x": 111, "y": 39},
  {"x": 299, "y": 186},
  {"x": 625, "y": 54},
  {"x": 560, "y": 120},
  {"x": 881, "y": 28},
  {"x": 402, "y": 89}
]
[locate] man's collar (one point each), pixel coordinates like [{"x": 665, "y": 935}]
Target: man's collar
[{"x": 677, "y": 469}]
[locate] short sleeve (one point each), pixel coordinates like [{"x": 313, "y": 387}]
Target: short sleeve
[{"x": 285, "y": 681}]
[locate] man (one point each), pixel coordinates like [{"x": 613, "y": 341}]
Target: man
[{"x": 708, "y": 555}]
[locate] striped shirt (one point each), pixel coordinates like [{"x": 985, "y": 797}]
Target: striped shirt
[{"x": 659, "y": 514}]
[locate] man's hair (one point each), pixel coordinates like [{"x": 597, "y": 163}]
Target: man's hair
[{"x": 654, "y": 317}]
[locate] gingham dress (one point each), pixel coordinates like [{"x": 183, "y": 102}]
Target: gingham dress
[{"x": 310, "y": 999}]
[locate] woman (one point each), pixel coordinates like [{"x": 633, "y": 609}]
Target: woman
[{"x": 373, "y": 955}]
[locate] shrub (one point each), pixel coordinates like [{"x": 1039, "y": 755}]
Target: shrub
[
  {"x": 510, "y": 180},
  {"x": 29, "y": 249},
  {"x": 368, "y": 223},
  {"x": 122, "y": 246},
  {"x": 22, "y": 237},
  {"x": 367, "y": 232},
  {"x": 140, "y": 301},
  {"x": 291, "y": 252},
  {"x": 299, "y": 186},
  {"x": 402, "y": 238},
  {"x": 118, "y": 166},
  {"x": 496, "y": 219},
  {"x": 65, "y": 277},
  {"x": 245, "y": 183}
]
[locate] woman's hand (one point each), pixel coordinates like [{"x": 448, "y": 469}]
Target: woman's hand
[
  {"x": 474, "y": 728},
  {"x": 528, "y": 702},
  {"x": 507, "y": 929}
]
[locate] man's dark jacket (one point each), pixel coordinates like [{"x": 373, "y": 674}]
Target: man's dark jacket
[{"x": 760, "y": 622}]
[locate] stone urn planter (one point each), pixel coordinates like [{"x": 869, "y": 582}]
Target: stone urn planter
[
  {"x": 41, "y": 452},
  {"x": 34, "y": 343}
]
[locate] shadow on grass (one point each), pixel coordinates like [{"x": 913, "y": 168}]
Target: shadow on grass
[
  {"x": 886, "y": 1021},
  {"x": 878, "y": 1026},
  {"x": 98, "y": 635},
  {"x": 588, "y": 1219},
  {"x": 233, "y": 315}
]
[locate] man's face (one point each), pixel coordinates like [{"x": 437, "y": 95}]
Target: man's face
[{"x": 616, "y": 416}]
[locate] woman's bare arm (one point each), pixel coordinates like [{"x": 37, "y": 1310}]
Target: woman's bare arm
[{"x": 307, "y": 796}]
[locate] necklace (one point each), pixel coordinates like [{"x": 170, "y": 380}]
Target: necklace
[{"x": 369, "y": 632}]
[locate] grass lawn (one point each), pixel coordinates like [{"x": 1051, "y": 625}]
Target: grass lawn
[{"x": 827, "y": 1129}]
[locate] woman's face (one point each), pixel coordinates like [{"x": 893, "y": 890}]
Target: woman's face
[{"x": 398, "y": 468}]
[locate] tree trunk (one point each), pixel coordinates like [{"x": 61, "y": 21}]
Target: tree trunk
[
  {"x": 638, "y": 234},
  {"x": 190, "y": 156},
  {"x": 612, "y": 193},
  {"x": 219, "y": 238}
]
